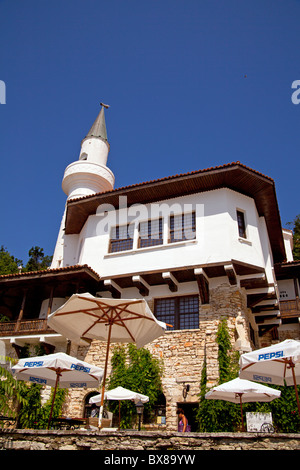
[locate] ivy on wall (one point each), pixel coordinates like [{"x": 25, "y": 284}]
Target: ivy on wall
[
  {"x": 223, "y": 416},
  {"x": 218, "y": 415},
  {"x": 135, "y": 369},
  {"x": 33, "y": 414}
]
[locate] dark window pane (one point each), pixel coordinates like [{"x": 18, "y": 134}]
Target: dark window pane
[
  {"x": 151, "y": 233},
  {"x": 182, "y": 227},
  {"x": 189, "y": 312},
  {"x": 165, "y": 311},
  {"x": 241, "y": 224},
  {"x": 181, "y": 312},
  {"x": 121, "y": 238}
]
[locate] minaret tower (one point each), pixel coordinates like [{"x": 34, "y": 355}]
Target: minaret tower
[{"x": 88, "y": 175}]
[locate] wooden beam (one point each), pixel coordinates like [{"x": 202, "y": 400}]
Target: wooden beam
[
  {"x": 269, "y": 290},
  {"x": 261, "y": 321},
  {"x": 142, "y": 285},
  {"x": 253, "y": 281},
  {"x": 265, "y": 308},
  {"x": 21, "y": 310},
  {"x": 266, "y": 314},
  {"x": 113, "y": 288},
  {"x": 231, "y": 274},
  {"x": 203, "y": 284},
  {"x": 17, "y": 344},
  {"x": 266, "y": 303},
  {"x": 263, "y": 329},
  {"x": 171, "y": 281},
  {"x": 50, "y": 302}
]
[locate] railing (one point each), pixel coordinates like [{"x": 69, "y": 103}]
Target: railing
[
  {"x": 290, "y": 308},
  {"x": 24, "y": 327}
]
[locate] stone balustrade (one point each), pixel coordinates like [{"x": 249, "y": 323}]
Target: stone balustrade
[{"x": 164, "y": 442}]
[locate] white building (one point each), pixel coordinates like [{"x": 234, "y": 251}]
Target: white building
[{"x": 197, "y": 246}]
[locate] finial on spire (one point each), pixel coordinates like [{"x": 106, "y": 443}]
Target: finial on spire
[{"x": 105, "y": 105}]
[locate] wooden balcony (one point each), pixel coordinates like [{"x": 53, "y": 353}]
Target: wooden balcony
[
  {"x": 24, "y": 327},
  {"x": 289, "y": 308}
]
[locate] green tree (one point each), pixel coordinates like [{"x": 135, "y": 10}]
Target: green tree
[
  {"x": 37, "y": 260},
  {"x": 8, "y": 263}
]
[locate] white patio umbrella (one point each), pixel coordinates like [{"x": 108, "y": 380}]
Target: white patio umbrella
[
  {"x": 110, "y": 320},
  {"x": 276, "y": 364},
  {"x": 242, "y": 391},
  {"x": 59, "y": 368},
  {"x": 120, "y": 394}
]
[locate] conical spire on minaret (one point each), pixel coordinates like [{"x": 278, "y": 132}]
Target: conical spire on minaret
[
  {"x": 95, "y": 146},
  {"x": 98, "y": 129},
  {"x": 90, "y": 174}
]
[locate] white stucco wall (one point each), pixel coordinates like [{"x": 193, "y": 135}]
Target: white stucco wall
[
  {"x": 287, "y": 289},
  {"x": 288, "y": 244},
  {"x": 217, "y": 238},
  {"x": 66, "y": 248},
  {"x": 94, "y": 150}
]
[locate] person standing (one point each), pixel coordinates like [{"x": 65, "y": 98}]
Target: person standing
[{"x": 183, "y": 425}]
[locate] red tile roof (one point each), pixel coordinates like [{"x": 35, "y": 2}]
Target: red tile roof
[
  {"x": 47, "y": 272},
  {"x": 167, "y": 178}
]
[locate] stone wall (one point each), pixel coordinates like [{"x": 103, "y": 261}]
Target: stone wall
[
  {"x": 164, "y": 442},
  {"x": 182, "y": 352}
]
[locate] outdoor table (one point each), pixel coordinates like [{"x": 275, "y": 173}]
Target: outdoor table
[{"x": 67, "y": 423}]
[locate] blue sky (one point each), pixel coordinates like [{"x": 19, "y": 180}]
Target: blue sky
[{"x": 191, "y": 84}]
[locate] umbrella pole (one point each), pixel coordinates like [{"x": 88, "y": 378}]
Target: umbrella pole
[
  {"x": 295, "y": 385},
  {"x": 104, "y": 376},
  {"x": 54, "y": 393},
  {"x": 243, "y": 426},
  {"x": 119, "y": 414}
]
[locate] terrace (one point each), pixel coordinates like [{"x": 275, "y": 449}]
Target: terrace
[
  {"x": 26, "y": 300},
  {"x": 290, "y": 310},
  {"x": 24, "y": 327}
]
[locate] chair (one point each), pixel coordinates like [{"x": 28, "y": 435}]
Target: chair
[{"x": 105, "y": 423}]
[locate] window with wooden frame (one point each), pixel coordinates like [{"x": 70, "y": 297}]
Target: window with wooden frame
[
  {"x": 241, "y": 224},
  {"x": 151, "y": 233},
  {"x": 182, "y": 227},
  {"x": 121, "y": 238},
  {"x": 180, "y": 312}
]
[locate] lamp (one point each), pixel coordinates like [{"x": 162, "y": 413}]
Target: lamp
[
  {"x": 186, "y": 389},
  {"x": 139, "y": 409}
]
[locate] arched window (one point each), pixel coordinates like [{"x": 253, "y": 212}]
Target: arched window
[{"x": 87, "y": 406}]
